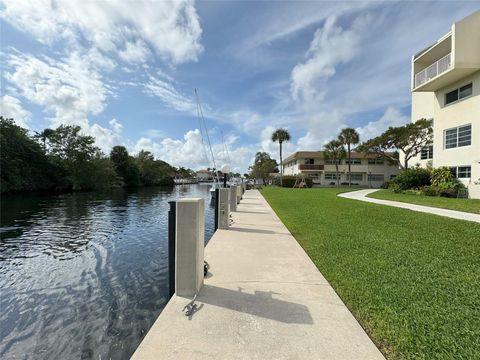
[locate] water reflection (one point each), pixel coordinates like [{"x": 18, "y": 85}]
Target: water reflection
[{"x": 84, "y": 275}]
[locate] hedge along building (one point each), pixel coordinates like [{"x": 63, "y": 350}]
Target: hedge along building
[
  {"x": 367, "y": 170},
  {"x": 446, "y": 88}
]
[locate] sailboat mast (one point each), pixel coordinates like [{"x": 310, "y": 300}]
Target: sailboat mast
[{"x": 199, "y": 106}]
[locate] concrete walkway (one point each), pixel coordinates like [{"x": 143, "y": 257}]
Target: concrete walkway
[
  {"x": 362, "y": 196},
  {"x": 264, "y": 299}
]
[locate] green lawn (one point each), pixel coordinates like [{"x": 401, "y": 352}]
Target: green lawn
[
  {"x": 411, "y": 279},
  {"x": 468, "y": 205}
]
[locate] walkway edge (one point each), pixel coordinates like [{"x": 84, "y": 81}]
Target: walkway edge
[{"x": 361, "y": 195}]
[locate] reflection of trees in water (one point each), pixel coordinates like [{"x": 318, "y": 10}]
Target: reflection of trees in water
[
  {"x": 63, "y": 225},
  {"x": 111, "y": 283}
]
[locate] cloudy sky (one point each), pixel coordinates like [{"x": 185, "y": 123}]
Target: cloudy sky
[{"x": 126, "y": 70}]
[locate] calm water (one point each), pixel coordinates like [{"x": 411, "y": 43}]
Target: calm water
[{"x": 85, "y": 275}]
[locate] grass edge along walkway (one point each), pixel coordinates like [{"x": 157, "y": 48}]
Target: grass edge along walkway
[
  {"x": 465, "y": 205},
  {"x": 411, "y": 279}
]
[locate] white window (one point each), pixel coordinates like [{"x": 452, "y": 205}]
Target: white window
[
  {"x": 458, "y": 137},
  {"x": 332, "y": 162},
  {"x": 375, "y": 161},
  {"x": 462, "y": 172},
  {"x": 457, "y": 94},
  {"x": 354, "y": 161},
  {"x": 427, "y": 153},
  {"x": 375, "y": 177},
  {"x": 356, "y": 177},
  {"x": 309, "y": 161},
  {"x": 331, "y": 176}
]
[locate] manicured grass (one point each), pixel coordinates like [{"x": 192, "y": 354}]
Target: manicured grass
[
  {"x": 411, "y": 279},
  {"x": 467, "y": 205}
]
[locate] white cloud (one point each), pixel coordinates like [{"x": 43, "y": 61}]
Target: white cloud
[
  {"x": 192, "y": 153},
  {"x": 11, "y": 108},
  {"x": 170, "y": 95},
  {"x": 106, "y": 138},
  {"x": 172, "y": 28},
  {"x": 330, "y": 47},
  {"x": 392, "y": 117},
  {"x": 188, "y": 152},
  {"x": 135, "y": 52},
  {"x": 321, "y": 127},
  {"x": 70, "y": 89}
]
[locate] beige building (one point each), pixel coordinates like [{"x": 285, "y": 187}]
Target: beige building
[
  {"x": 204, "y": 175},
  {"x": 446, "y": 88},
  {"x": 367, "y": 170}
]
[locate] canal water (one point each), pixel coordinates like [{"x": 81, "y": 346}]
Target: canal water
[{"x": 85, "y": 275}]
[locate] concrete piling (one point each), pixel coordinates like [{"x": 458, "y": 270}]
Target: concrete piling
[
  {"x": 223, "y": 205},
  {"x": 233, "y": 198},
  {"x": 189, "y": 249}
]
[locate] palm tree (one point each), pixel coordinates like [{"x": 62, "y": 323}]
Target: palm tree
[
  {"x": 43, "y": 136},
  {"x": 335, "y": 151},
  {"x": 349, "y": 136},
  {"x": 281, "y": 135}
]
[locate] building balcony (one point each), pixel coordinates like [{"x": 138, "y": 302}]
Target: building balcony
[
  {"x": 449, "y": 60},
  {"x": 434, "y": 70},
  {"x": 310, "y": 167}
]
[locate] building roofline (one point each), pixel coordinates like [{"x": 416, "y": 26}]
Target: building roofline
[{"x": 319, "y": 154}]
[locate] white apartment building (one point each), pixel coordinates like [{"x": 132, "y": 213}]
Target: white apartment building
[
  {"x": 367, "y": 170},
  {"x": 446, "y": 88}
]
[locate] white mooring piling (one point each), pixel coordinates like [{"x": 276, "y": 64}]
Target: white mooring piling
[
  {"x": 233, "y": 198},
  {"x": 189, "y": 240},
  {"x": 223, "y": 205}
]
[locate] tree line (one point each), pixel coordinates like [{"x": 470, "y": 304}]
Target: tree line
[{"x": 63, "y": 159}]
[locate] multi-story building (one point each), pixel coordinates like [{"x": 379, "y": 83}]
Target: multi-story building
[
  {"x": 204, "y": 175},
  {"x": 367, "y": 170},
  {"x": 446, "y": 88}
]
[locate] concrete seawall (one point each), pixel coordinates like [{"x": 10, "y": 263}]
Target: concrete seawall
[{"x": 263, "y": 299}]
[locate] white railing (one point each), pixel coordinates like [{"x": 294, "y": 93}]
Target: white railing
[{"x": 433, "y": 70}]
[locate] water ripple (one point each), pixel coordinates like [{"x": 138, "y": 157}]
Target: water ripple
[{"x": 84, "y": 276}]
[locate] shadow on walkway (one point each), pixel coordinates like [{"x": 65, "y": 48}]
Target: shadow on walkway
[
  {"x": 261, "y": 304},
  {"x": 253, "y": 231}
]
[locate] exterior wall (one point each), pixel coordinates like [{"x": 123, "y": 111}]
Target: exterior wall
[
  {"x": 462, "y": 112},
  {"x": 291, "y": 168},
  {"x": 466, "y": 55},
  {"x": 466, "y": 45},
  {"x": 204, "y": 176}
]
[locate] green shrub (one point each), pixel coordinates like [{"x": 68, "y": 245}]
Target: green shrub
[
  {"x": 448, "y": 192},
  {"x": 394, "y": 187},
  {"x": 412, "y": 179},
  {"x": 445, "y": 181},
  {"x": 441, "y": 176},
  {"x": 430, "y": 191},
  {"x": 386, "y": 185}
]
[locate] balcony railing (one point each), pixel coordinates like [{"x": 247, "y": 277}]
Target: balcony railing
[
  {"x": 310, "y": 167},
  {"x": 438, "y": 67}
]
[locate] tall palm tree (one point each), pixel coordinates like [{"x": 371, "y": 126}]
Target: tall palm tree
[
  {"x": 349, "y": 136},
  {"x": 43, "y": 136},
  {"x": 335, "y": 151},
  {"x": 281, "y": 135}
]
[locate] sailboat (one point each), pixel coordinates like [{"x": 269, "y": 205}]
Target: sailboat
[{"x": 201, "y": 119}]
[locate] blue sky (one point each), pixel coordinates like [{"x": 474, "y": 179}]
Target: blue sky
[{"x": 126, "y": 71}]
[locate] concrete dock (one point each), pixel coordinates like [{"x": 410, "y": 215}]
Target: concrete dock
[{"x": 263, "y": 299}]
